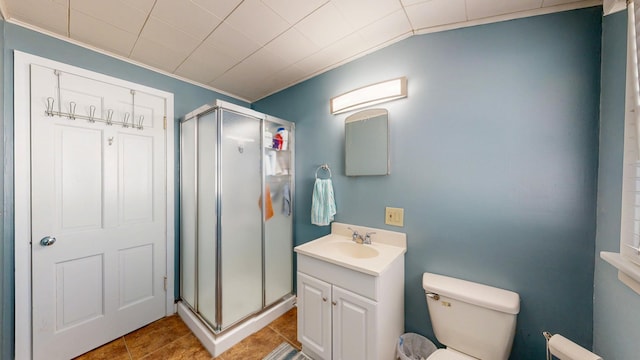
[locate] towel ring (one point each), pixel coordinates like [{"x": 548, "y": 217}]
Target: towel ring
[{"x": 323, "y": 167}]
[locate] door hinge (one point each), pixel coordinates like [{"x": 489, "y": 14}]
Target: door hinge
[
  {"x": 165, "y": 284},
  {"x": 165, "y": 122}
]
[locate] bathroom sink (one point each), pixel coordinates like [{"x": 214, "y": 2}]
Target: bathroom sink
[
  {"x": 338, "y": 248},
  {"x": 353, "y": 249}
]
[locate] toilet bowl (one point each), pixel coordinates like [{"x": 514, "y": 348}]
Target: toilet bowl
[{"x": 473, "y": 321}]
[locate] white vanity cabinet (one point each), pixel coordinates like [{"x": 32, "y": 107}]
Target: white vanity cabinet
[
  {"x": 351, "y": 296},
  {"x": 315, "y": 315},
  {"x": 335, "y": 323},
  {"x": 346, "y": 314}
]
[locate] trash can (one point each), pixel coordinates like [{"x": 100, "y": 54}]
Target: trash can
[{"x": 414, "y": 347}]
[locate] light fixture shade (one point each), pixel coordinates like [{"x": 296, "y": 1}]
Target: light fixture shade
[{"x": 369, "y": 95}]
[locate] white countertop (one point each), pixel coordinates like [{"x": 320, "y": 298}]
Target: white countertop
[{"x": 389, "y": 245}]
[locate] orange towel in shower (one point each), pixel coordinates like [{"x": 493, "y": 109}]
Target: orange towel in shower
[{"x": 268, "y": 212}]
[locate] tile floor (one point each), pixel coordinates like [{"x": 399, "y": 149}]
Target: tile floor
[{"x": 170, "y": 339}]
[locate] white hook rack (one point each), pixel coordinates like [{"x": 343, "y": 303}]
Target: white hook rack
[
  {"x": 129, "y": 119},
  {"x": 92, "y": 118}
]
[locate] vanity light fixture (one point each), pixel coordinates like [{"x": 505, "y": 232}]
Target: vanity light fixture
[{"x": 369, "y": 95}]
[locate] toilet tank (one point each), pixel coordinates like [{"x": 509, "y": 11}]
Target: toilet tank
[{"x": 474, "y": 319}]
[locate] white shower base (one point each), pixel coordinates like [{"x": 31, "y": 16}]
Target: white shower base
[{"x": 217, "y": 344}]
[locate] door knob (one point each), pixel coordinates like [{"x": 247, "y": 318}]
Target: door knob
[{"x": 47, "y": 241}]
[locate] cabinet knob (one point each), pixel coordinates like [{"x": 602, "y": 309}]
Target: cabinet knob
[
  {"x": 334, "y": 303},
  {"x": 324, "y": 299}
]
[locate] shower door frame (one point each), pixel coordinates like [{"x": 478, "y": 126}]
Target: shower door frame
[{"x": 195, "y": 115}]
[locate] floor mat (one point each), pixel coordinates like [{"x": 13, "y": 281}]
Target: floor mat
[{"x": 285, "y": 352}]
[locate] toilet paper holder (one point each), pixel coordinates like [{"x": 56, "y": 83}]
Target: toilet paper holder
[{"x": 565, "y": 349}]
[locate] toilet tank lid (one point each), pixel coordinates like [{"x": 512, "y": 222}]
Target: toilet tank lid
[{"x": 477, "y": 294}]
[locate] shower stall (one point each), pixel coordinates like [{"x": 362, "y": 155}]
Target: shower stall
[{"x": 236, "y": 222}]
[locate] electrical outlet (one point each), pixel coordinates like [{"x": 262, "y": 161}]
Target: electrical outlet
[{"x": 394, "y": 216}]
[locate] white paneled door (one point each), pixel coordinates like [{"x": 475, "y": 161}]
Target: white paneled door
[{"x": 98, "y": 212}]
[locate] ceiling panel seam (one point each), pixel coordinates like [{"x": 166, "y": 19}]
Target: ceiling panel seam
[
  {"x": 208, "y": 35},
  {"x": 142, "y": 28}
]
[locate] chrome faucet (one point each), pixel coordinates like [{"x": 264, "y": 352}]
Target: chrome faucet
[
  {"x": 359, "y": 239},
  {"x": 355, "y": 236},
  {"x": 367, "y": 237}
]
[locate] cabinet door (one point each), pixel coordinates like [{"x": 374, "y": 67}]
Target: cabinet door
[
  {"x": 314, "y": 315},
  {"x": 354, "y": 326}
]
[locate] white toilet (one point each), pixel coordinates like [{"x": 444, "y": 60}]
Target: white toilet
[{"x": 474, "y": 321}]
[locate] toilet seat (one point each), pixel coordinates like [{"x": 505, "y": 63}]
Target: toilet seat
[{"x": 449, "y": 354}]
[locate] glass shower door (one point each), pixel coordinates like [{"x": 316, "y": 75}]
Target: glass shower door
[
  {"x": 207, "y": 215},
  {"x": 188, "y": 212},
  {"x": 236, "y": 213},
  {"x": 278, "y": 226},
  {"x": 241, "y": 207},
  {"x": 198, "y": 214}
]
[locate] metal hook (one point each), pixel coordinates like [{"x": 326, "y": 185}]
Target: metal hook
[
  {"x": 92, "y": 114},
  {"x": 126, "y": 120},
  {"x": 50, "y": 102},
  {"x": 109, "y": 117},
  {"x": 140, "y": 121},
  {"x": 72, "y": 110}
]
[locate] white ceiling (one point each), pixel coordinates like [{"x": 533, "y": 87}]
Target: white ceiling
[{"x": 253, "y": 48}]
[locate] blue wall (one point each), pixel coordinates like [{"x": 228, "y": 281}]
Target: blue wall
[
  {"x": 494, "y": 158},
  {"x": 186, "y": 98},
  {"x": 6, "y": 279},
  {"x": 616, "y": 307}
]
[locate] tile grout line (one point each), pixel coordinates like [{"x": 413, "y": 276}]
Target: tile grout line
[
  {"x": 127, "y": 347},
  {"x": 163, "y": 346},
  {"x": 284, "y": 337}
]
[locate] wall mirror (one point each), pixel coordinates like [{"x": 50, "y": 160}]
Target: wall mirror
[{"x": 367, "y": 143}]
